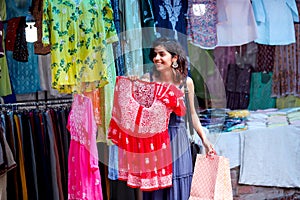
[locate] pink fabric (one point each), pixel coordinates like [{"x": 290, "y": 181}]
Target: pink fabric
[
  {"x": 84, "y": 181},
  {"x": 211, "y": 178}
]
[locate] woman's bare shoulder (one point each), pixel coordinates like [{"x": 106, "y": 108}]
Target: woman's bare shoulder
[{"x": 189, "y": 81}]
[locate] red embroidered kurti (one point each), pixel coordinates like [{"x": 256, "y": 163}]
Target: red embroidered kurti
[{"x": 139, "y": 126}]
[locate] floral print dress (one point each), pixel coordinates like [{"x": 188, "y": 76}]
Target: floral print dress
[{"x": 78, "y": 32}]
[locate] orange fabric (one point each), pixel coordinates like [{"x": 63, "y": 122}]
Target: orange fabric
[
  {"x": 21, "y": 163},
  {"x": 95, "y": 98}
]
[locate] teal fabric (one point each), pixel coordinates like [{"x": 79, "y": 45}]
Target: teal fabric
[
  {"x": 260, "y": 91},
  {"x": 24, "y": 76}
]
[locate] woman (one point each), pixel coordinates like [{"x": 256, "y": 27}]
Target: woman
[{"x": 170, "y": 66}]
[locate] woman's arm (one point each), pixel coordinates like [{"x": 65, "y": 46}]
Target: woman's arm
[{"x": 195, "y": 119}]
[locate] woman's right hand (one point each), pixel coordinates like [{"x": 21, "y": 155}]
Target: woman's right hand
[
  {"x": 145, "y": 77},
  {"x": 133, "y": 77}
]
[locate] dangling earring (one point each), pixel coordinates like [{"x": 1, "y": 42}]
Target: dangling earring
[{"x": 175, "y": 64}]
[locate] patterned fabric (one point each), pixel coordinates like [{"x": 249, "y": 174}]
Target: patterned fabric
[
  {"x": 265, "y": 58},
  {"x": 84, "y": 181},
  {"x": 44, "y": 62},
  {"x": 211, "y": 179},
  {"x": 238, "y": 86},
  {"x": 138, "y": 126},
  {"x": 24, "y": 75},
  {"x": 286, "y": 72},
  {"x": 168, "y": 15},
  {"x": 79, "y": 34},
  {"x": 20, "y": 52},
  {"x": 94, "y": 96},
  {"x": 274, "y": 29},
  {"x": 11, "y": 33},
  {"x": 201, "y": 23},
  {"x": 37, "y": 13}
]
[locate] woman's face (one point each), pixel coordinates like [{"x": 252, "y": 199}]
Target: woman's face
[{"x": 162, "y": 59}]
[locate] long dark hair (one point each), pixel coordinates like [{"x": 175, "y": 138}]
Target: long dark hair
[{"x": 174, "y": 48}]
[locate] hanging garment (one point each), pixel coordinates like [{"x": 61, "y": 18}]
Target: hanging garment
[
  {"x": 13, "y": 182},
  {"x": 41, "y": 148},
  {"x": 29, "y": 155},
  {"x": 202, "y": 23},
  {"x": 107, "y": 102},
  {"x": 24, "y": 75},
  {"x": 20, "y": 157},
  {"x": 44, "y": 66},
  {"x": 54, "y": 158},
  {"x": 286, "y": 71},
  {"x": 132, "y": 37},
  {"x": 7, "y": 159},
  {"x": 20, "y": 51},
  {"x": 238, "y": 86},
  {"x": 260, "y": 91},
  {"x": 265, "y": 58},
  {"x": 84, "y": 181},
  {"x": 1, "y": 43},
  {"x": 37, "y": 13},
  {"x": 148, "y": 32},
  {"x": 138, "y": 126},
  {"x": 119, "y": 59},
  {"x": 168, "y": 16},
  {"x": 78, "y": 33},
  {"x": 11, "y": 33},
  {"x": 236, "y": 23},
  {"x": 274, "y": 29},
  {"x": 5, "y": 88},
  {"x": 17, "y": 8},
  {"x": 223, "y": 56}
]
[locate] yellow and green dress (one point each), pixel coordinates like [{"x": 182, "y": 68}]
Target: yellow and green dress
[{"x": 79, "y": 32}]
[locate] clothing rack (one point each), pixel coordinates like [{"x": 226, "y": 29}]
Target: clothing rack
[{"x": 36, "y": 104}]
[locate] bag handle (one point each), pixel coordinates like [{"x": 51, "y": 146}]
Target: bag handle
[
  {"x": 211, "y": 154},
  {"x": 188, "y": 110}
]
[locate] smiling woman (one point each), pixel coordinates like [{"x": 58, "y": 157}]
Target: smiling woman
[
  {"x": 170, "y": 66},
  {"x": 170, "y": 54}
]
